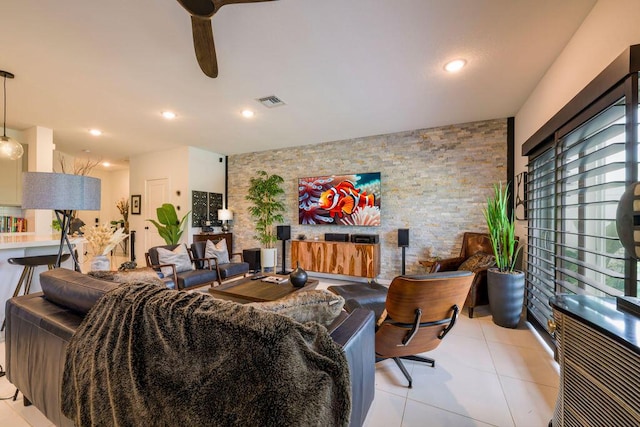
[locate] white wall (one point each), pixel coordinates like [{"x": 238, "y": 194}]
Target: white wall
[
  {"x": 610, "y": 28},
  {"x": 206, "y": 173},
  {"x": 186, "y": 169}
]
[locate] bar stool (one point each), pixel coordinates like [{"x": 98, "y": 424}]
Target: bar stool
[{"x": 30, "y": 263}]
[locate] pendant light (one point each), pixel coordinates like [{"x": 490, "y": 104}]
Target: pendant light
[{"x": 9, "y": 148}]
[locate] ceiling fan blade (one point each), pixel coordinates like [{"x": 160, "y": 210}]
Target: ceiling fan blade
[
  {"x": 219, "y": 3},
  {"x": 204, "y": 46},
  {"x": 201, "y": 12},
  {"x": 201, "y": 8}
]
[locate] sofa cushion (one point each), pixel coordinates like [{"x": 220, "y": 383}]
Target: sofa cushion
[
  {"x": 73, "y": 290},
  {"x": 217, "y": 250},
  {"x": 233, "y": 269},
  {"x": 477, "y": 262},
  {"x": 306, "y": 306},
  {"x": 365, "y": 293},
  {"x": 191, "y": 278},
  {"x": 178, "y": 257}
]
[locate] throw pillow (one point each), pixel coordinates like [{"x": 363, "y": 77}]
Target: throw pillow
[
  {"x": 217, "y": 250},
  {"x": 306, "y": 306},
  {"x": 179, "y": 257},
  {"x": 477, "y": 262}
]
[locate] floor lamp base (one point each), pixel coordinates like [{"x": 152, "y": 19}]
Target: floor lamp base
[{"x": 64, "y": 218}]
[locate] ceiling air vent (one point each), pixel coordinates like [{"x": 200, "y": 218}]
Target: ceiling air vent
[{"x": 271, "y": 101}]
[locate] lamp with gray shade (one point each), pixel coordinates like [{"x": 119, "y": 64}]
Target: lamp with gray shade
[{"x": 62, "y": 193}]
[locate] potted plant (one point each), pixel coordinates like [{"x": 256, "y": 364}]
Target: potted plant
[
  {"x": 266, "y": 209},
  {"x": 168, "y": 225},
  {"x": 505, "y": 284}
]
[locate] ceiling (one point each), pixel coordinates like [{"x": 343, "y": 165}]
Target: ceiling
[{"x": 345, "y": 69}]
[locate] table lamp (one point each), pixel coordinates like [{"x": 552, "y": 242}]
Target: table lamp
[
  {"x": 62, "y": 193},
  {"x": 225, "y": 215}
]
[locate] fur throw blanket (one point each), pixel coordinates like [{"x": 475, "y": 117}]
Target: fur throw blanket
[{"x": 146, "y": 355}]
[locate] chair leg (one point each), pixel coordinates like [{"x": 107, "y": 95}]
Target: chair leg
[
  {"x": 403, "y": 369},
  {"x": 25, "y": 277},
  {"x": 27, "y": 287},
  {"x": 470, "y": 312},
  {"x": 428, "y": 360}
]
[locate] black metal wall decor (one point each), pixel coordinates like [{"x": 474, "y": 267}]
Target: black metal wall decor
[
  {"x": 204, "y": 208},
  {"x": 199, "y": 207},
  {"x": 521, "y": 196},
  {"x": 215, "y": 203}
]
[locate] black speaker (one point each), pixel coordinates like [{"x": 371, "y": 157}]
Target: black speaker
[
  {"x": 365, "y": 238},
  {"x": 252, "y": 256},
  {"x": 403, "y": 237},
  {"x": 336, "y": 237},
  {"x": 283, "y": 232}
]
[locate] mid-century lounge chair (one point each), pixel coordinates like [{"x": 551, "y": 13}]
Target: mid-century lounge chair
[{"x": 414, "y": 315}]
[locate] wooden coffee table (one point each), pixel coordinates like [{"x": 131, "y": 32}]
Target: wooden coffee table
[{"x": 246, "y": 290}]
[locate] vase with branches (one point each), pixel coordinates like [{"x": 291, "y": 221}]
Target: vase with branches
[
  {"x": 123, "y": 207},
  {"x": 102, "y": 239}
]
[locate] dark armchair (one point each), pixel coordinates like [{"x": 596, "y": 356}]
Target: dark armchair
[
  {"x": 223, "y": 271},
  {"x": 179, "y": 277},
  {"x": 472, "y": 244}
]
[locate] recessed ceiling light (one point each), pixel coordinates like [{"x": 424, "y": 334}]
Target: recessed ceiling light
[
  {"x": 247, "y": 113},
  {"x": 455, "y": 65},
  {"x": 95, "y": 132},
  {"x": 106, "y": 164},
  {"x": 169, "y": 115}
]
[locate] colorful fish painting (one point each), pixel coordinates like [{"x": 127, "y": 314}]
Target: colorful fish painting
[{"x": 344, "y": 198}]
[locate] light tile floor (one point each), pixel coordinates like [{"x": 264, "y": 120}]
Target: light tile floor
[{"x": 485, "y": 375}]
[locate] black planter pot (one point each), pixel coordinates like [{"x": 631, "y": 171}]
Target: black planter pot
[{"x": 506, "y": 296}]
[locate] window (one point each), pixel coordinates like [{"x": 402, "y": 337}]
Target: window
[{"x": 574, "y": 185}]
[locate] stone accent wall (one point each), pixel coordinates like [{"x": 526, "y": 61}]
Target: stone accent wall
[{"x": 434, "y": 182}]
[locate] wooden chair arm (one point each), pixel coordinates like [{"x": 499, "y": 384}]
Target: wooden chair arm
[
  {"x": 447, "y": 264},
  {"x": 238, "y": 254}
]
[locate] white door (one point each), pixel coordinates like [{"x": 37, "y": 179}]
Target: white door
[{"x": 157, "y": 193}]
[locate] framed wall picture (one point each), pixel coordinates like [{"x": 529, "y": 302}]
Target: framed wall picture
[{"x": 136, "y": 201}]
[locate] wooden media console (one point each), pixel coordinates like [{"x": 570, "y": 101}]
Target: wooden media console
[{"x": 350, "y": 259}]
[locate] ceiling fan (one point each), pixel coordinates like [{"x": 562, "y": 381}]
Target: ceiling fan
[{"x": 201, "y": 12}]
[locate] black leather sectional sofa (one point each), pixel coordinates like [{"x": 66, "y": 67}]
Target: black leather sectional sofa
[{"x": 38, "y": 332}]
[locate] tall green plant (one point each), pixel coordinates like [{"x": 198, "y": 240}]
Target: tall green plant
[
  {"x": 266, "y": 208},
  {"x": 502, "y": 229},
  {"x": 168, "y": 225}
]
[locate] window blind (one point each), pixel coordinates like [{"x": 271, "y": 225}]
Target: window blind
[{"x": 573, "y": 192}]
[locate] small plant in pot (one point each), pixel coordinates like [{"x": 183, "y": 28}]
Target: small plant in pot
[
  {"x": 267, "y": 209},
  {"x": 504, "y": 283}
]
